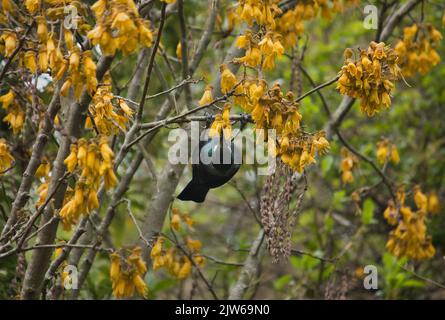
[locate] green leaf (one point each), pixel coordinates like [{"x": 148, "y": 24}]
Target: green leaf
[
  {"x": 338, "y": 199},
  {"x": 368, "y": 211},
  {"x": 296, "y": 262},
  {"x": 414, "y": 283},
  {"x": 282, "y": 281},
  {"x": 328, "y": 223},
  {"x": 326, "y": 164}
]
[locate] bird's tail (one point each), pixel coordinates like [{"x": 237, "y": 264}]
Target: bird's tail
[{"x": 193, "y": 192}]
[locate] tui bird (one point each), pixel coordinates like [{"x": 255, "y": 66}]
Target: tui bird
[{"x": 213, "y": 173}]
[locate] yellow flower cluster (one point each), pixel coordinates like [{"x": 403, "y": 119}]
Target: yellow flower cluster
[
  {"x": 94, "y": 161},
  {"x": 409, "y": 238},
  {"x": 417, "y": 50},
  {"x": 222, "y": 124},
  {"x": 291, "y": 24},
  {"x": 80, "y": 65},
  {"x": 126, "y": 272},
  {"x": 177, "y": 264},
  {"x": 263, "y": 12},
  {"x": 260, "y": 50},
  {"x": 119, "y": 27},
  {"x": 298, "y": 150},
  {"x": 15, "y": 116},
  {"x": 348, "y": 162},
  {"x": 57, "y": 10},
  {"x": 109, "y": 118},
  {"x": 175, "y": 261},
  {"x": 6, "y": 159},
  {"x": 387, "y": 151},
  {"x": 370, "y": 76},
  {"x": 271, "y": 109},
  {"x": 268, "y": 107},
  {"x": 177, "y": 217},
  {"x": 82, "y": 70},
  {"x": 263, "y": 46}
]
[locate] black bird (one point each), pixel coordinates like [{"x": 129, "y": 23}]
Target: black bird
[{"x": 206, "y": 176}]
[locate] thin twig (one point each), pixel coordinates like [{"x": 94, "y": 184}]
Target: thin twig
[
  {"x": 321, "y": 86},
  {"x": 369, "y": 161},
  {"x": 151, "y": 63}
]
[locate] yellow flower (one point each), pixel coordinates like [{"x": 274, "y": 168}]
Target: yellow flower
[
  {"x": 42, "y": 192},
  {"x": 157, "y": 248},
  {"x": 145, "y": 35},
  {"x": 347, "y": 177},
  {"x": 228, "y": 79},
  {"x": 390, "y": 213},
  {"x": 30, "y": 61},
  {"x": 321, "y": 144},
  {"x": 6, "y": 159},
  {"x": 252, "y": 57},
  {"x": 43, "y": 58},
  {"x": 158, "y": 262},
  {"x": 110, "y": 178},
  {"x": 32, "y": 6},
  {"x": 123, "y": 23},
  {"x": 10, "y": 40},
  {"x": 42, "y": 30},
  {"x": 42, "y": 170},
  {"x": 347, "y": 165},
  {"x": 185, "y": 269},
  {"x": 433, "y": 203},
  {"x": 179, "y": 51},
  {"x": 410, "y": 32},
  {"x": 242, "y": 41},
  {"x": 105, "y": 150},
  {"x": 7, "y": 99},
  {"x": 93, "y": 201},
  {"x": 207, "y": 96},
  {"x": 222, "y": 124},
  {"x": 89, "y": 69},
  {"x": 395, "y": 158},
  {"x": 199, "y": 260},
  {"x": 194, "y": 245},
  {"x": 15, "y": 118},
  {"x": 188, "y": 221},
  {"x": 140, "y": 285},
  {"x": 420, "y": 199},
  {"x": 175, "y": 221},
  {"x": 115, "y": 266},
  {"x": 382, "y": 151},
  {"x": 71, "y": 160},
  {"x": 66, "y": 86}
]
